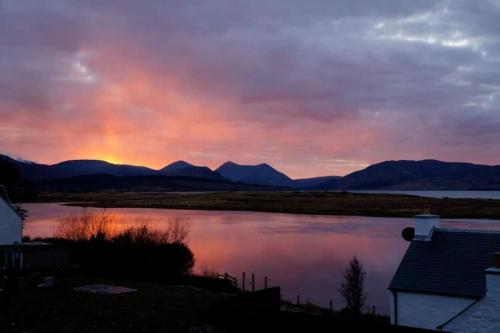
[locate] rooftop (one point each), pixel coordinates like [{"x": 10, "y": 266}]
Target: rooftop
[{"x": 452, "y": 263}]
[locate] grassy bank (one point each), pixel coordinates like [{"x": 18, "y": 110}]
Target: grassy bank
[{"x": 327, "y": 203}]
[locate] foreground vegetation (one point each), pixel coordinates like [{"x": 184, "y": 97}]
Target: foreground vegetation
[
  {"x": 153, "y": 308},
  {"x": 328, "y": 203},
  {"x": 166, "y": 308},
  {"x": 96, "y": 245}
]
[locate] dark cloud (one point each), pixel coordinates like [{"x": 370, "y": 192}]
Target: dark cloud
[{"x": 358, "y": 81}]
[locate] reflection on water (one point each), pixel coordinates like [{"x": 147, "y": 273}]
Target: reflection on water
[{"x": 303, "y": 254}]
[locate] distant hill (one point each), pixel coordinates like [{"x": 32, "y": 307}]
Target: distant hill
[
  {"x": 388, "y": 175},
  {"x": 184, "y": 169},
  {"x": 195, "y": 172},
  {"x": 306, "y": 183},
  {"x": 33, "y": 171},
  {"x": 74, "y": 168},
  {"x": 157, "y": 183},
  {"x": 419, "y": 175},
  {"x": 262, "y": 174},
  {"x": 95, "y": 175}
]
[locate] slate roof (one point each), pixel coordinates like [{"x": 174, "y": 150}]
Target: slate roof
[{"x": 451, "y": 263}]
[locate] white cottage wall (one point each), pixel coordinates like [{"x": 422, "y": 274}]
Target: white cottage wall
[
  {"x": 11, "y": 225},
  {"x": 484, "y": 316},
  {"x": 424, "y": 310}
]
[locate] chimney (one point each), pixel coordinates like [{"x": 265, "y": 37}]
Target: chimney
[
  {"x": 493, "y": 278},
  {"x": 424, "y": 225}
]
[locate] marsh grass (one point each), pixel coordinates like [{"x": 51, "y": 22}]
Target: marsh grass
[
  {"x": 99, "y": 242},
  {"x": 325, "y": 203},
  {"x": 92, "y": 224},
  {"x": 87, "y": 224}
]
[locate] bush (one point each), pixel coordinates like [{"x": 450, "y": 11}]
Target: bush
[
  {"x": 97, "y": 246},
  {"x": 87, "y": 225}
]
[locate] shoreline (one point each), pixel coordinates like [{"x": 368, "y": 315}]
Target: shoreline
[{"x": 287, "y": 202}]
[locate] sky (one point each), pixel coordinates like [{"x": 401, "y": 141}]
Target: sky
[{"x": 310, "y": 87}]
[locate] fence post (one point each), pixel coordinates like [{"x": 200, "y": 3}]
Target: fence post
[
  {"x": 243, "y": 282},
  {"x": 253, "y": 282},
  {"x": 373, "y": 310},
  {"x": 331, "y": 305},
  {"x": 265, "y": 282},
  {"x": 298, "y": 299}
]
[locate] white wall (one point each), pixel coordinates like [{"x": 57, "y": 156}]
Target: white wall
[
  {"x": 11, "y": 225},
  {"x": 484, "y": 316},
  {"x": 426, "y": 311}
]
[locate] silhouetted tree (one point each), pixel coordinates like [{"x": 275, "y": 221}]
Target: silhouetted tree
[
  {"x": 18, "y": 188},
  {"x": 10, "y": 175},
  {"x": 352, "y": 288}
]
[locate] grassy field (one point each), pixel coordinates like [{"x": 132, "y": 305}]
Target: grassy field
[
  {"x": 153, "y": 308},
  {"x": 327, "y": 203},
  {"x": 164, "y": 308}
]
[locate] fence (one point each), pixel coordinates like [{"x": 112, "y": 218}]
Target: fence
[{"x": 251, "y": 283}]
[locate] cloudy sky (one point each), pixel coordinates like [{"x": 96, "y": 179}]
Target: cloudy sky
[{"x": 311, "y": 87}]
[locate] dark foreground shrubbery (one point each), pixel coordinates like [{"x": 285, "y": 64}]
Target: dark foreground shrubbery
[
  {"x": 96, "y": 247},
  {"x": 128, "y": 258}
]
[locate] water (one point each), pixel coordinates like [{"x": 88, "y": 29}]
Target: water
[
  {"x": 305, "y": 255},
  {"x": 444, "y": 194}
]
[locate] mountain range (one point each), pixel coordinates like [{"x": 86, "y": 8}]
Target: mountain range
[
  {"x": 80, "y": 175},
  {"x": 419, "y": 175},
  {"x": 181, "y": 175}
]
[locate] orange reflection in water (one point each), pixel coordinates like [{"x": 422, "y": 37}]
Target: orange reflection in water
[{"x": 305, "y": 255}]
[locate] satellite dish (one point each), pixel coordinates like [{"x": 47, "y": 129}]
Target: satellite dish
[{"x": 408, "y": 233}]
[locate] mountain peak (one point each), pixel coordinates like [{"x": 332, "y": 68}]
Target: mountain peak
[
  {"x": 229, "y": 163},
  {"x": 177, "y": 165},
  {"x": 265, "y": 165},
  {"x": 262, "y": 174},
  {"x": 185, "y": 169},
  {"x": 83, "y": 162}
]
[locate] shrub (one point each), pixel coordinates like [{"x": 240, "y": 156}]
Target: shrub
[
  {"x": 97, "y": 247},
  {"x": 87, "y": 225}
]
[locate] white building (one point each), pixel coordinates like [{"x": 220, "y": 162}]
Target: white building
[
  {"x": 449, "y": 280},
  {"x": 11, "y": 223}
]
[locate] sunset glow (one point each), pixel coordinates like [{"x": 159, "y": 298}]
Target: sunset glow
[{"x": 311, "y": 90}]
